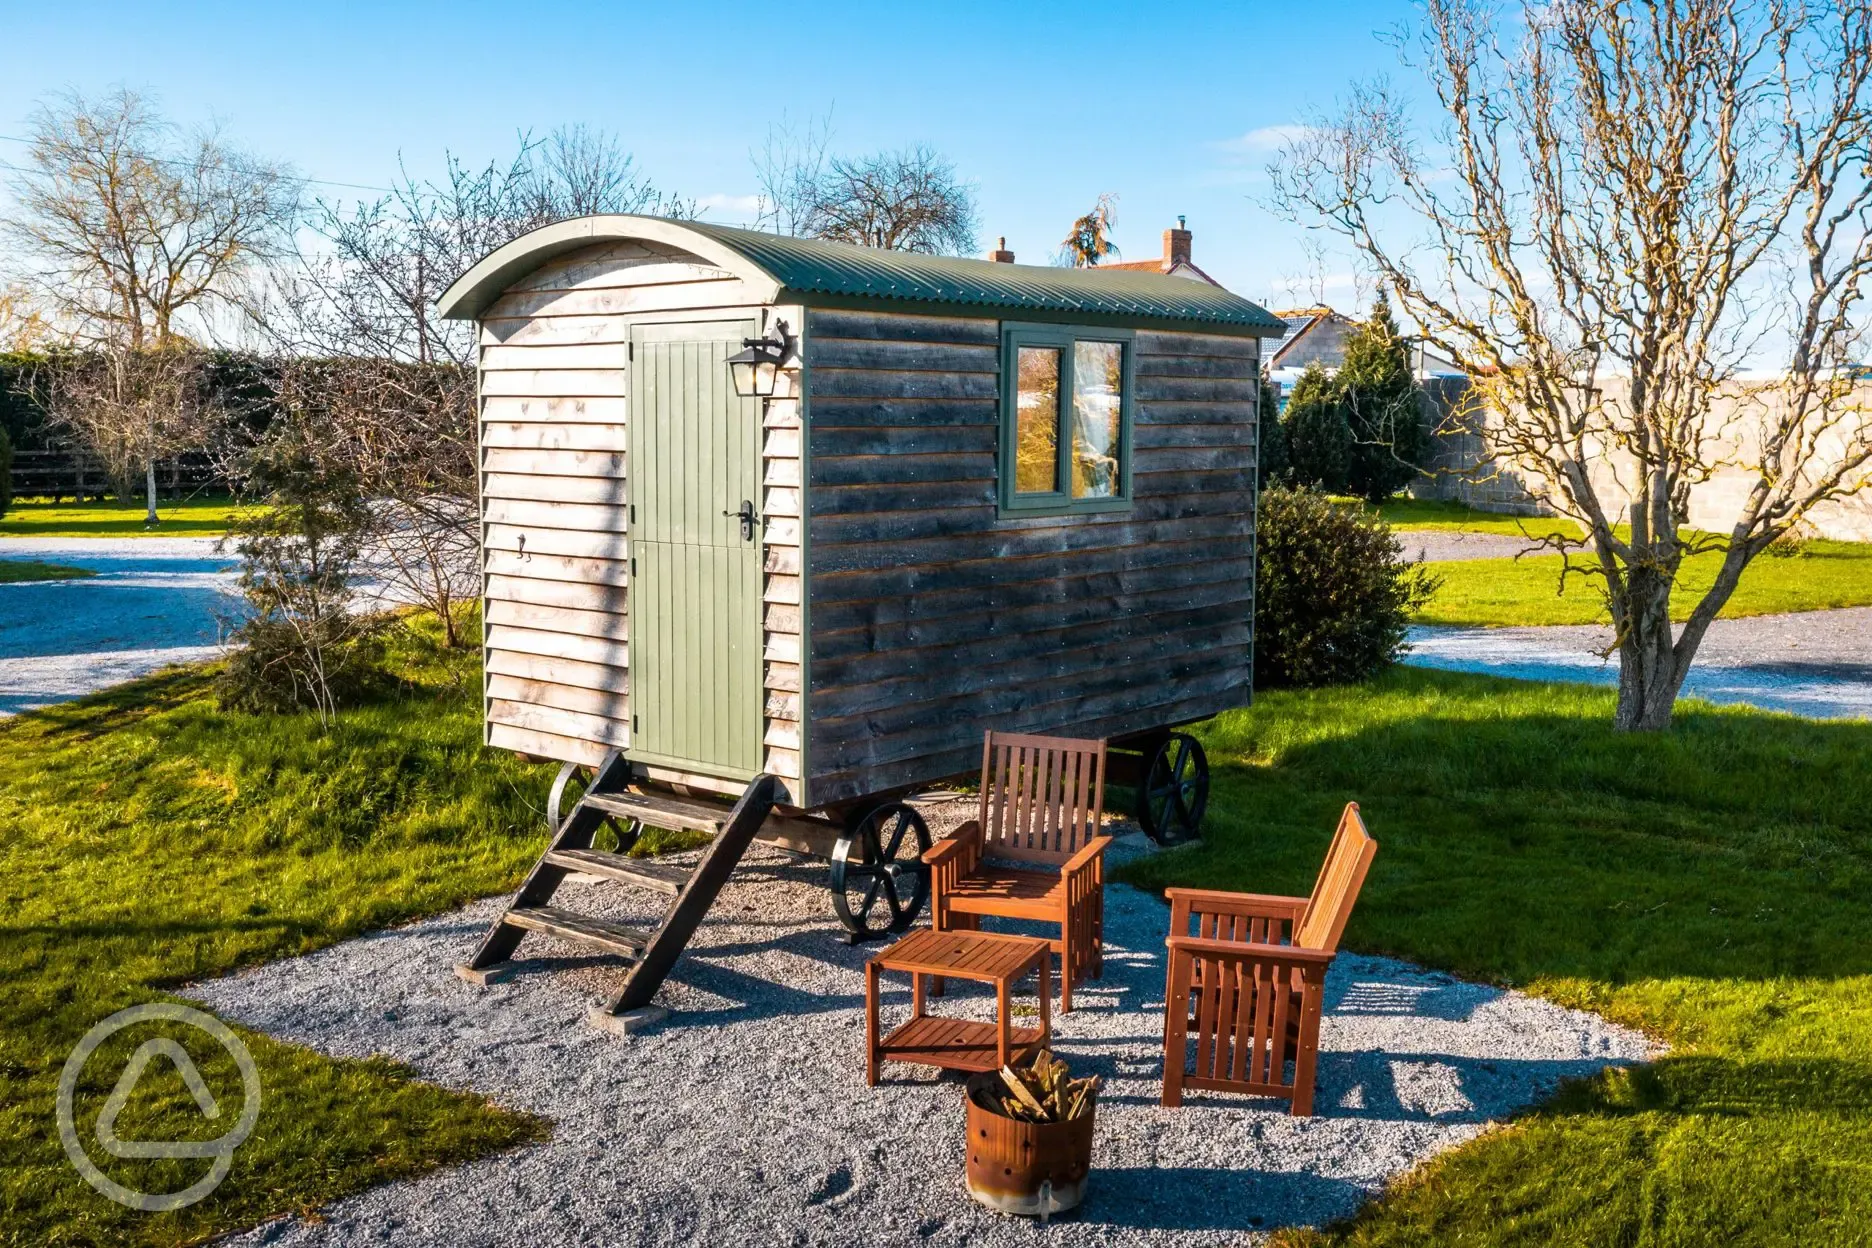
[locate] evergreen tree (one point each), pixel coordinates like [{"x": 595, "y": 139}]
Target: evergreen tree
[
  {"x": 1319, "y": 438},
  {"x": 1272, "y": 463},
  {"x": 1380, "y": 402}
]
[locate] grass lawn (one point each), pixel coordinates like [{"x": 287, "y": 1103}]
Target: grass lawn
[
  {"x": 151, "y": 840},
  {"x": 1708, "y": 885},
  {"x": 195, "y": 517},
  {"x": 1427, "y": 513},
  {"x": 1526, "y": 591},
  {"x": 14, "y": 571}
]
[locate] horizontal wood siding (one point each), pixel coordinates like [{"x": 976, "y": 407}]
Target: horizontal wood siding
[
  {"x": 932, "y": 619},
  {"x": 555, "y": 374}
]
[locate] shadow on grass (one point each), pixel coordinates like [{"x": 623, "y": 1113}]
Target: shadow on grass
[{"x": 1522, "y": 839}]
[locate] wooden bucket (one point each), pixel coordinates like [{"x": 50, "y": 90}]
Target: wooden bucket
[{"x": 1035, "y": 1169}]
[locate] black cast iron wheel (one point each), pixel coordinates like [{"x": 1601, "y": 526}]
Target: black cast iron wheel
[
  {"x": 879, "y": 882},
  {"x": 1175, "y": 791},
  {"x": 567, "y": 788}
]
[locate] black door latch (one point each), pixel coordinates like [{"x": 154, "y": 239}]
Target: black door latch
[{"x": 747, "y": 519}]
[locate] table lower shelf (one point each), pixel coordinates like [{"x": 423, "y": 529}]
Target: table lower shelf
[{"x": 955, "y": 1043}]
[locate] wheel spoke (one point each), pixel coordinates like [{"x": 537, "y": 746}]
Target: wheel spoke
[
  {"x": 892, "y": 900},
  {"x": 871, "y": 895},
  {"x": 896, "y": 838}
]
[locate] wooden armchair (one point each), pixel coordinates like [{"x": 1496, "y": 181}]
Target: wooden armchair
[
  {"x": 1033, "y": 851},
  {"x": 1248, "y": 974}
]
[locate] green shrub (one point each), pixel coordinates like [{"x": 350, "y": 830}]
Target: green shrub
[
  {"x": 1319, "y": 438},
  {"x": 6, "y": 472},
  {"x": 306, "y": 642},
  {"x": 1333, "y": 593},
  {"x": 1272, "y": 465}
]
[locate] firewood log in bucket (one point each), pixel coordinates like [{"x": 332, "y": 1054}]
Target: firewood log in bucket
[{"x": 1030, "y": 1138}]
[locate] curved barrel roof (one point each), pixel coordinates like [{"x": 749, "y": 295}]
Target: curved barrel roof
[{"x": 813, "y": 270}]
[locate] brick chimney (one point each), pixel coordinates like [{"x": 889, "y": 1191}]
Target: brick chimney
[
  {"x": 1176, "y": 245},
  {"x": 1001, "y": 255}
]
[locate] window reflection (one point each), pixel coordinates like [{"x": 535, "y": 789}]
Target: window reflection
[
  {"x": 1098, "y": 389},
  {"x": 1037, "y": 408}
]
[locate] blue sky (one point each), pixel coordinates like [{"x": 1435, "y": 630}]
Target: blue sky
[{"x": 1043, "y": 106}]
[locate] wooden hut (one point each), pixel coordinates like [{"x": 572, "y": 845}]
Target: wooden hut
[{"x": 980, "y": 495}]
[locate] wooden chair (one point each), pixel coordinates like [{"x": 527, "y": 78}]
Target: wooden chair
[
  {"x": 1033, "y": 851},
  {"x": 1248, "y": 974}
]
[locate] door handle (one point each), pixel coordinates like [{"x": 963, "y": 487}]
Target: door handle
[{"x": 746, "y": 515}]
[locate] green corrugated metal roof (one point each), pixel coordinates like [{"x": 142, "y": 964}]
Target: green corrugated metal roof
[
  {"x": 810, "y": 269},
  {"x": 815, "y": 267}
]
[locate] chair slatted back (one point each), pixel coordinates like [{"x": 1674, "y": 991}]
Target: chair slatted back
[
  {"x": 1042, "y": 798},
  {"x": 1337, "y": 888}
]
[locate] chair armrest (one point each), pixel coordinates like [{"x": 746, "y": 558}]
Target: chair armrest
[
  {"x": 1253, "y": 905},
  {"x": 1242, "y": 951},
  {"x": 1088, "y": 854},
  {"x": 965, "y": 838}
]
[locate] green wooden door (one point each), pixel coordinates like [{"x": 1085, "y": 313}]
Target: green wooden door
[{"x": 695, "y": 617}]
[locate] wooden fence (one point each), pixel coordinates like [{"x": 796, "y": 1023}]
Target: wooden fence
[{"x": 80, "y": 475}]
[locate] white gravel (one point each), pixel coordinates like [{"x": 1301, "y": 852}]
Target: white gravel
[
  {"x": 154, "y": 601},
  {"x": 1813, "y": 663},
  {"x": 746, "y": 1119},
  {"x": 1445, "y": 545}
]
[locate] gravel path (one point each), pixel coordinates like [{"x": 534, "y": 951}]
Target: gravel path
[
  {"x": 746, "y": 1119},
  {"x": 1814, "y": 663},
  {"x": 154, "y": 602},
  {"x": 1441, "y": 545}
]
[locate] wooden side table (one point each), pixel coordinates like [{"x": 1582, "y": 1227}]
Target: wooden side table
[{"x": 958, "y": 1043}]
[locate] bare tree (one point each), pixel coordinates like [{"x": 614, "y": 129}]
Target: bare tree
[
  {"x": 393, "y": 388},
  {"x": 23, "y": 325},
  {"x": 1089, "y": 240},
  {"x": 135, "y": 237},
  {"x": 129, "y": 226},
  {"x": 1625, "y": 206},
  {"x": 789, "y": 169},
  {"x": 907, "y": 200},
  {"x": 131, "y": 408}
]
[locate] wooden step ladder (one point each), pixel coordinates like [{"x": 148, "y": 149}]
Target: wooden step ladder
[{"x": 651, "y": 953}]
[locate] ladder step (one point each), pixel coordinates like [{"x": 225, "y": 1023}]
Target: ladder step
[
  {"x": 637, "y": 871},
  {"x": 660, "y": 811},
  {"x": 580, "y": 928}
]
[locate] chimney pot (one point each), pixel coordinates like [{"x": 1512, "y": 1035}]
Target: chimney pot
[{"x": 1001, "y": 255}]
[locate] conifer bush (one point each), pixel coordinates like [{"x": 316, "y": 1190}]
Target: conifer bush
[{"x": 1334, "y": 593}]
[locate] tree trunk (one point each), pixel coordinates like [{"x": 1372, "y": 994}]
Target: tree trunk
[
  {"x": 149, "y": 491},
  {"x": 1649, "y": 673}
]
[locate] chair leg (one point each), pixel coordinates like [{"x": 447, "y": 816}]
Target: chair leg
[
  {"x": 1176, "y": 1029},
  {"x": 1066, "y": 967},
  {"x": 1306, "y": 1054}
]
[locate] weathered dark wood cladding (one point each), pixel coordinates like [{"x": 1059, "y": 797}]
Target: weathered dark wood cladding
[{"x": 932, "y": 618}]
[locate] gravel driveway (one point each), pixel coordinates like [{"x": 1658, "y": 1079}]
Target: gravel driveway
[
  {"x": 154, "y": 602},
  {"x": 1814, "y": 663},
  {"x": 1441, "y": 545},
  {"x": 746, "y": 1119}
]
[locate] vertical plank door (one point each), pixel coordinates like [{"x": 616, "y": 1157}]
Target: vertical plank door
[{"x": 695, "y": 635}]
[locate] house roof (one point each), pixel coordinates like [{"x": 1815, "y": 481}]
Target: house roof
[
  {"x": 1297, "y": 321},
  {"x": 1157, "y": 266},
  {"x": 818, "y": 271}
]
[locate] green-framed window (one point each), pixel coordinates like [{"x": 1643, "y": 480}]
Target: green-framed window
[{"x": 1066, "y": 412}]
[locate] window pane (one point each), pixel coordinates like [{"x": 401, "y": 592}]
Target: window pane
[
  {"x": 1037, "y": 411},
  {"x": 1098, "y": 390}
]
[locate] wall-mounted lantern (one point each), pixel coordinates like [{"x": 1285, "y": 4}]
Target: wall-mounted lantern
[{"x": 756, "y": 368}]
